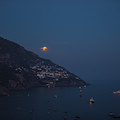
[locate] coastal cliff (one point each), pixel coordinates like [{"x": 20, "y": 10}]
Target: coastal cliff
[{"x": 22, "y": 69}]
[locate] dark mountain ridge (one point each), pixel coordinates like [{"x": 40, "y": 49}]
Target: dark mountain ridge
[{"x": 21, "y": 69}]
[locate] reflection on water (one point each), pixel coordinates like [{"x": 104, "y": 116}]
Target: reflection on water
[{"x": 68, "y": 103}]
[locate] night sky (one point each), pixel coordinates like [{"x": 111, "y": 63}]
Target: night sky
[{"x": 81, "y": 35}]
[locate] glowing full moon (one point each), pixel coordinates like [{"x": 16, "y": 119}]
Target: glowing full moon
[{"x": 44, "y": 48}]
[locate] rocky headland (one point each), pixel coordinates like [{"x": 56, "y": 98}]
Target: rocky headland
[{"x": 22, "y": 69}]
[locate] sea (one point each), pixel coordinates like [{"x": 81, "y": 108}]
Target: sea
[{"x": 62, "y": 103}]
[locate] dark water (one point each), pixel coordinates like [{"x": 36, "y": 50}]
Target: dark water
[{"x": 40, "y": 104}]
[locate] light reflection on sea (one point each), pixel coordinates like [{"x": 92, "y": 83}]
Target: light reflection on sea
[{"x": 40, "y": 103}]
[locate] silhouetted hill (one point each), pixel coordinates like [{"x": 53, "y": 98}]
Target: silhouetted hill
[{"x": 21, "y": 69}]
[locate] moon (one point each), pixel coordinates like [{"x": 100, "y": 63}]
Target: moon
[{"x": 44, "y": 48}]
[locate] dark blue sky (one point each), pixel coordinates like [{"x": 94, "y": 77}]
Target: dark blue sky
[{"x": 81, "y": 35}]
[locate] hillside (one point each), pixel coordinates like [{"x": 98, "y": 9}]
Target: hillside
[{"x": 21, "y": 69}]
